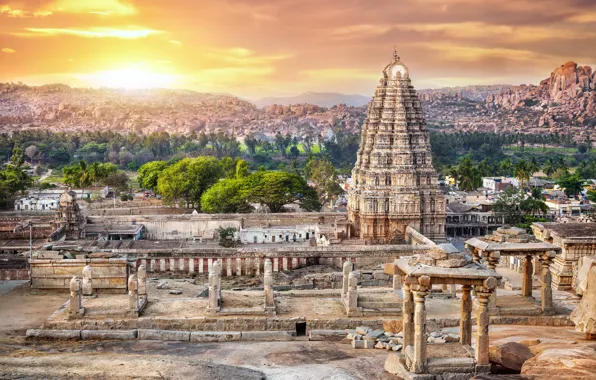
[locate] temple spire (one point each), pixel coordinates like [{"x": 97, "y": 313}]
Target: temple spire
[{"x": 395, "y": 56}]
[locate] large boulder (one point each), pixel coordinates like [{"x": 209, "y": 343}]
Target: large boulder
[
  {"x": 510, "y": 356},
  {"x": 562, "y": 364},
  {"x": 581, "y": 280},
  {"x": 584, "y": 315}
]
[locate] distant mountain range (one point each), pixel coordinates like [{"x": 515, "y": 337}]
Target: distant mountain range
[{"x": 321, "y": 99}]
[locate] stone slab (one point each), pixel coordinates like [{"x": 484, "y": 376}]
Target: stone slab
[
  {"x": 267, "y": 336},
  {"x": 215, "y": 336},
  {"x": 109, "y": 334},
  {"x": 54, "y": 334},
  {"x": 183, "y": 336},
  {"x": 328, "y": 335}
]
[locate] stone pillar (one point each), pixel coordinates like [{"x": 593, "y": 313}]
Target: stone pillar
[
  {"x": 465, "y": 323},
  {"x": 87, "y": 281},
  {"x": 213, "y": 291},
  {"x": 217, "y": 268},
  {"x": 527, "y": 281},
  {"x": 492, "y": 261},
  {"x": 482, "y": 321},
  {"x": 408, "y": 315},
  {"x": 547, "y": 292},
  {"x": 419, "y": 360},
  {"x": 133, "y": 304},
  {"x": 268, "y": 286},
  {"x": 396, "y": 282},
  {"x": 75, "y": 306},
  {"x": 142, "y": 282},
  {"x": 347, "y": 268},
  {"x": 352, "y": 295}
]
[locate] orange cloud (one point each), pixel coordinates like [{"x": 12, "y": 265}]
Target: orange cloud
[
  {"x": 106, "y": 7},
  {"x": 8, "y": 50}
]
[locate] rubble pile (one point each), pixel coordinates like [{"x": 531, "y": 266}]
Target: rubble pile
[{"x": 364, "y": 337}]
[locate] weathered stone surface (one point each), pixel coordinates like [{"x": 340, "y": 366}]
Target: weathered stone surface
[
  {"x": 562, "y": 364},
  {"x": 585, "y": 263},
  {"x": 330, "y": 335},
  {"x": 392, "y": 325},
  {"x": 215, "y": 336},
  {"x": 164, "y": 335},
  {"x": 267, "y": 335},
  {"x": 53, "y": 334},
  {"x": 362, "y": 330},
  {"x": 510, "y": 355},
  {"x": 109, "y": 334},
  {"x": 530, "y": 342},
  {"x": 392, "y": 363},
  {"x": 584, "y": 315},
  {"x": 357, "y": 344},
  {"x": 375, "y": 334}
]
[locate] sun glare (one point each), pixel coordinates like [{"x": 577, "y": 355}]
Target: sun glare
[{"x": 129, "y": 79}]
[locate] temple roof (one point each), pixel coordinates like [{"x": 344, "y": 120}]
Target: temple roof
[
  {"x": 472, "y": 271},
  {"x": 512, "y": 248}
]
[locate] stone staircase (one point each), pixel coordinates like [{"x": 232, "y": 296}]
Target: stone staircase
[{"x": 372, "y": 305}]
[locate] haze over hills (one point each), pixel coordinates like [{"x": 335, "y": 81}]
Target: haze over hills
[
  {"x": 565, "y": 102},
  {"x": 321, "y": 99}
]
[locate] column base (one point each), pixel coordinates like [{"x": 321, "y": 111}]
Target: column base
[
  {"x": 548, "y": 311},
  {"x": 482, "y": 369}
]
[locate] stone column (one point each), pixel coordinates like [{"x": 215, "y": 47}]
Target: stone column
[
  {"x": 465, "y": 323},
  {"x": 419, "y": 360},
  {"x": 133, "y": 304},
  {"x": 75, "y": 306},
  {"x": 408, "y": 315},
  {"x": 396, "y": 282},
  {"x": 492, "y": 261},
  {"x": 217, "y": 267},
  {"x": 547, "y": 292},
  {"x": 351, "y": 301},
  {"x": 482, "y": 321},
  {"x": 347, "y": 268},
  {"x": 87, "y": 281},
  {"x": 527, "y": 281},
  {"x": 213, "y": 291},
  {"x": 142, "y": 282},
  {"x": 268, "y": 286}
]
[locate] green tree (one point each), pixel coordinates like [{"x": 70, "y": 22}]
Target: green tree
[
  {"x": 276, "y": 189},
  {"x": 571, "y": 183},
  {"x": 506, "y": 167},
  {"x": 324, "y": 176},
  {"x": 149, "y": 174},
  {"x": 188, "y": 179},
  {"x": 241, "y": 169},
  {"x": 226, "y": 196},
  {"x": 469, "y": 177},
  {"x": 522, "y": 173},
  {"x": 509, "y": 204},
  {"x": 535, "y": 203},
  {"x": 550, "y": 167},
  {"x": 14, "y": 178}
]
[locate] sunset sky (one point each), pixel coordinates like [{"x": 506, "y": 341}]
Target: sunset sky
[{"x": 256, "y": 48}]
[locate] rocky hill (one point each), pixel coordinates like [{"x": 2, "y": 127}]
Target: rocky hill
[
  {"x": 317, "y": 98},
  {"x": 565, "y": 102},
  {"x": 59, "y": 107}
]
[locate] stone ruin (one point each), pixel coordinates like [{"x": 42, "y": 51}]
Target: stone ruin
[
  {"x": 584, "y": 315},
  {"x": 418, "y": 274}
]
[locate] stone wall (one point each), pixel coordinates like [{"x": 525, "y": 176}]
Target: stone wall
[
  {"x": 187, "y": 226},
  {"x": 108, "y": 274}
]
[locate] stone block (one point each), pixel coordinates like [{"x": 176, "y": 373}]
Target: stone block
[
  {"x": 393, "y": 363},
  {"x": 329, "y": 335},
  {"x": 109, "y": 334},
  {"x": 358, "y": 344},
  {"x": 267, "y": 336},
  {"x": 215, "y": 336},
  {"x": 511, "y": 355},
  {"x": 53, "y": 334},
  {"x": 183, "y": 336}
]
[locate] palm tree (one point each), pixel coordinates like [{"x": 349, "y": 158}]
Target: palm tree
[
  {"x": 550, "y": 167},
  {"x": 521, "y": 171},
  {"x": 533, "y": 166},
  {"x": 507, "y": 167},
  {"x": 469, "y": 176},
  {"x": 562, "y": 164},
  {"x": 535, "y": 204}
]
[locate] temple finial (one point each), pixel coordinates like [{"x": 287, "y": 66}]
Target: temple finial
[{"x": 395, "y": 56}]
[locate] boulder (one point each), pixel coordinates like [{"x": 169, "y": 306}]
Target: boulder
[
  {"x": 584, "y": 315},
  {"x": 562, "y": 364},
  {"x": 510, "y": 355},
  {"x": 581, "y": 281}
]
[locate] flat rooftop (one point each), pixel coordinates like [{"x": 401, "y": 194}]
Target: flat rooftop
[{"x": 571, "y": 230}]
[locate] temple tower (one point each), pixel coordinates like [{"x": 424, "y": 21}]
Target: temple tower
[{"x": 394, "y": 182}]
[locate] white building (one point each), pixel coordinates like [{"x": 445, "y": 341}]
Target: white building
[
  {"x": 281, "y": 234},
  {"x": 36, "y": 204}
]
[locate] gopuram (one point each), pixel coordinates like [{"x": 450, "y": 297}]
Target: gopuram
[{"x": 394, "y": 182}]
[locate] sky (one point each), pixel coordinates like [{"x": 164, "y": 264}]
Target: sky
[{"x": 257, "y": 48}]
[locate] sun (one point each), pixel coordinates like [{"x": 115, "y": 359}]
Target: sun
[{"x": 129, "y": 78}]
